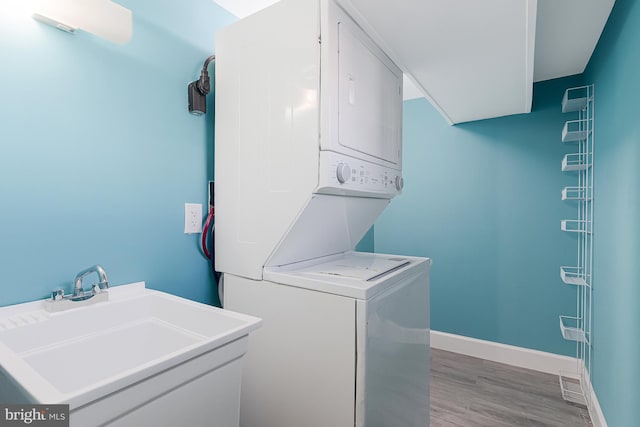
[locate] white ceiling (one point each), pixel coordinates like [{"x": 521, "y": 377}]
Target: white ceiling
[
  {"x": 476, "y": 60},
  {"x": 242, "y": 8},
  {"x": 566, "y": 35},
  {"x": 472, "y": 59}
]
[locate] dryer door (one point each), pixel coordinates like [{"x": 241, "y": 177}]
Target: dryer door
[
  {"x": 361, "y": 94},
  {"x": 370, "y": 99}
]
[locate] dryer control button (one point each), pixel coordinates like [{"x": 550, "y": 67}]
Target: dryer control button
[
  {"x": 399, "y": 183},
  {"x": 343, "y": 173}
]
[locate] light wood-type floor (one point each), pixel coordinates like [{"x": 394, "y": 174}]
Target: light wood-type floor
[{"x": 471, "y": 392}]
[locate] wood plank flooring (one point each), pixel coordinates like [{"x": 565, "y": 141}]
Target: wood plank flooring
[{"x": 471, "y": 392}]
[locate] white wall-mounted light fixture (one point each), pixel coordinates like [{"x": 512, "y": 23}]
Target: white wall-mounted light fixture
[{"x": 103, "y": 18}]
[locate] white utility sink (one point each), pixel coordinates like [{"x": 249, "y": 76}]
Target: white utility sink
[{"x": 121, "y": 361}]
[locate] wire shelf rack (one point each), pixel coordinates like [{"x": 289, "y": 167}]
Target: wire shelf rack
[
  {"x": 571, "y": 390},
  {"x": 576, "y": 99},
  {"x": 576, "y": 193},
  {"x": 578, "y": 328},
  {"x": 573, "y": 276},
  {"x": 571, "y": 328},
  {"x": 576, "y": 130},
  {"x": 576, "y": 162}
]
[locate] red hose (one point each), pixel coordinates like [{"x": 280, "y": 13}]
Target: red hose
[{"x": 205, "y": 233}]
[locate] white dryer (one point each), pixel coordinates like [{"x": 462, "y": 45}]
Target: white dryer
[{"x": 308, "y": 110}]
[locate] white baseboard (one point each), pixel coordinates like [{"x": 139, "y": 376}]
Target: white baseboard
[
  {"x": 508, "y": 354},
  {"x": 595, "y": 411}
]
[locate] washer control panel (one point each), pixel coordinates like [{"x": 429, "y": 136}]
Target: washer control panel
[{"x": 343, "y": 175}]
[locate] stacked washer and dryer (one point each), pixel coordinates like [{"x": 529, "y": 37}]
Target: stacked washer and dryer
[{"x": 308, "y": 153}]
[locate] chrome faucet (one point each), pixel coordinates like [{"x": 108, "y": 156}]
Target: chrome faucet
[
  {"x": 78, "y": 291},
  {"x": 98, "y": 292}
]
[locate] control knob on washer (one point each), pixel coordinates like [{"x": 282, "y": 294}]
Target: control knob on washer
[
  {"x": 399, "y": 183},
  {"x": 343, "y": 173}
]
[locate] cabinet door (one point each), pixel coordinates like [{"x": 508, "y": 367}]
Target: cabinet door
[{"x": 370, "y": 98}]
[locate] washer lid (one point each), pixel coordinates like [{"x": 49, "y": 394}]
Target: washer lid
[
  {"x": 357, "y": 266},
  {"x": 352, "y": 274}
]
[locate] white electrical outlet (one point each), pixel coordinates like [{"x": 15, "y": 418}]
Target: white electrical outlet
[{"x": 192, "y": 218}]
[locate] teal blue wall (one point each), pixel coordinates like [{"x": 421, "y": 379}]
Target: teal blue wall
[
  {"x": 614, "y": 69},
  {"x": 367, "y": 243},
  {"x": 482, "y": 200},
  {"x": 98, "y": 153}
]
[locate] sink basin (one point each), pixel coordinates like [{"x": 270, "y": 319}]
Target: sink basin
[{"x": 84, "y": 355}]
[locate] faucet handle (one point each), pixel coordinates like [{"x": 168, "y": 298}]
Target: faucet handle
[
  {"x": 95, "y": 289},
  {"x": 57, "y": 294},
  {"x": 104, "y": 284}
]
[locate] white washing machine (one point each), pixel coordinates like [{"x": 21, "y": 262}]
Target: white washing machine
[
  {"x": 308, "y": 153},
  {"x": 345, "y": 342}
]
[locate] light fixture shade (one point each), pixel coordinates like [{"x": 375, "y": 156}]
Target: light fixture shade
[{"x": 104, "y": 18}]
